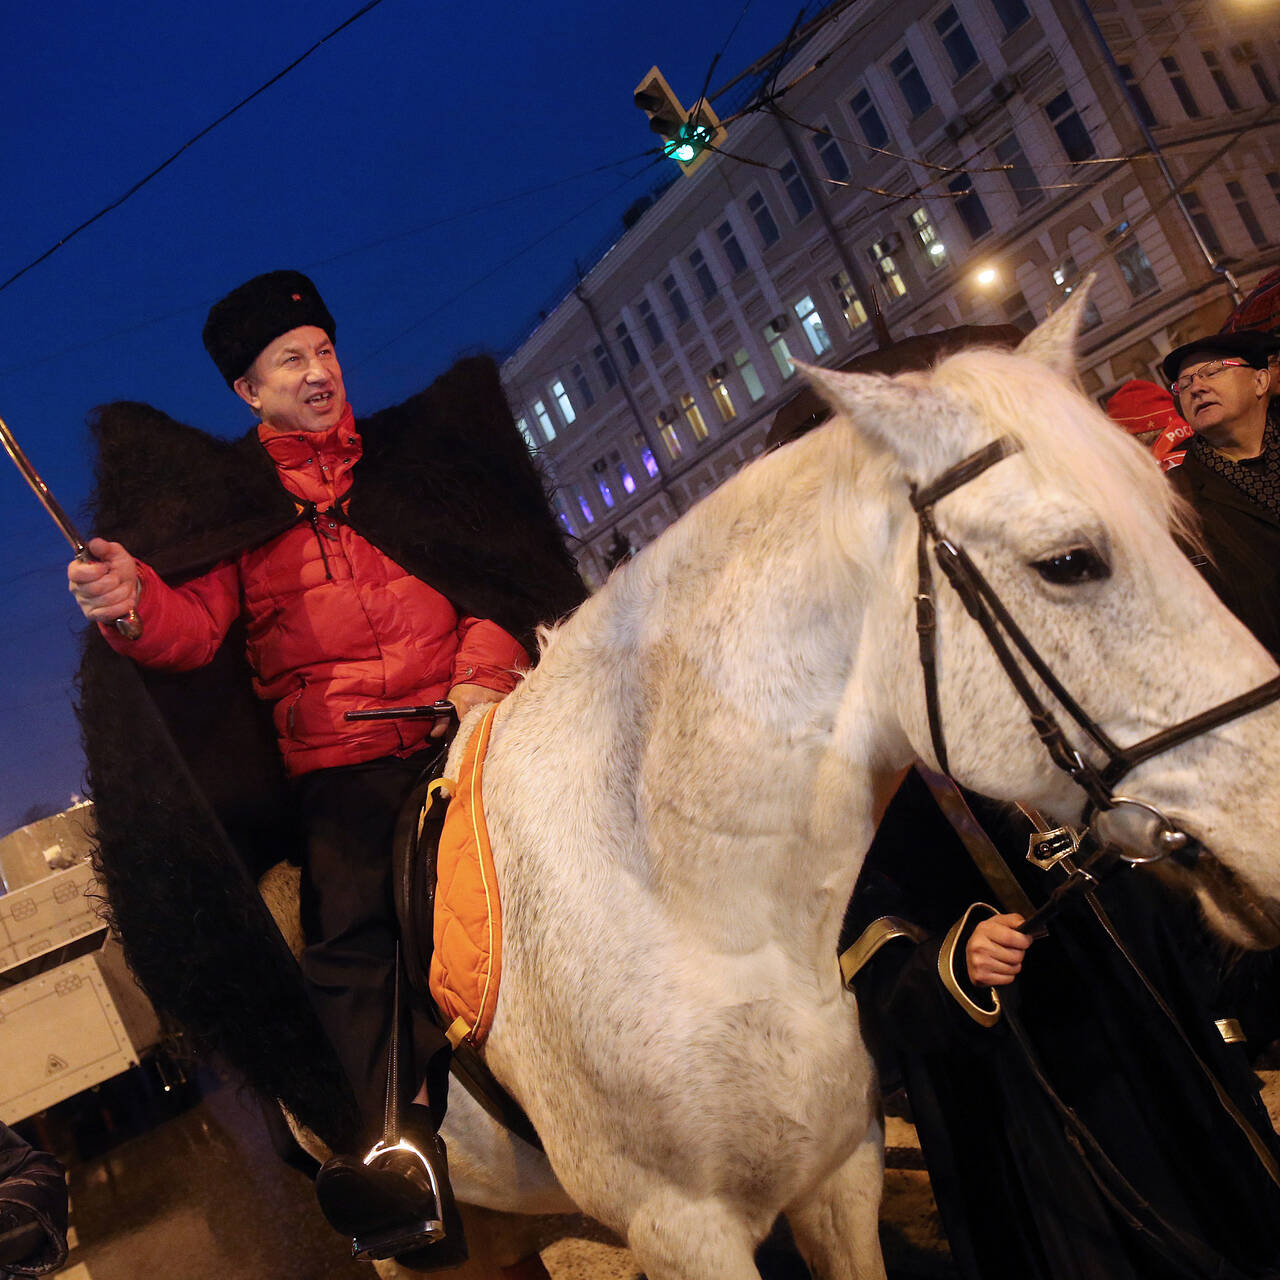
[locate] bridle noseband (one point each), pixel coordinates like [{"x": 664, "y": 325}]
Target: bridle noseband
[{"x": 1004, "y": 635}]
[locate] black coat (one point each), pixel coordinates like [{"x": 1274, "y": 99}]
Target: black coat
[
  {"x": 189, "y": 791},
  {"x": 33, "y": 1189},
  {"x": 1243, "y": 542},
  {"x": 1014, "y": 1194}
]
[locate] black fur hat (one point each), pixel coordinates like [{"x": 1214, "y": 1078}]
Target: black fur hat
[{"x": 257, "y": 313}]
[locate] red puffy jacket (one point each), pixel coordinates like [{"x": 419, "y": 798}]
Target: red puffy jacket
[{"x": 333, "y": 624}]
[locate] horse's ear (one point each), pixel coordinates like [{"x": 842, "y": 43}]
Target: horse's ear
[{"x": 1053, "y": 342}]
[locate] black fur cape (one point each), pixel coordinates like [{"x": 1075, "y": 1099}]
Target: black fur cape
[{"x": 189, "y": 790}]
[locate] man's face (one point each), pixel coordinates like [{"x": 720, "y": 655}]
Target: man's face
[
  {"x": 1217, "y": 404},
  {"x": 295, "y": 384}
]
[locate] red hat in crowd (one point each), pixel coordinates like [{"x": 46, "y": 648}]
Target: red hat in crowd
[
  {"x": 1261, "y": 309},
  {"x": 1142, "y": 407}
]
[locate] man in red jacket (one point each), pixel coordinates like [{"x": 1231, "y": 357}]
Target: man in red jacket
[{"x": 333, "y": 625}]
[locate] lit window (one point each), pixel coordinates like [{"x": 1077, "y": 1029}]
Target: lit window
[
  {"x": 647, "y": 459},
  {"x": 720, "y": 395},
  {"x": 628, "y": 346},
  {"x": 670, "y": 437},
  {"x": 561, "y": 397},
  {"x": 868, "y": 118},
  {"x": 935, "y": 252},
  {"x": 628, "y": 481},
  {"x": 583, "y": 505},
  {"x": 605, "y": 365},
  {"x": 797, "y": 192},
  {"x": 778, "y": 345},
  {"x": 1012, "y": 13},
  {"x": 522, "y": 425},
  {"x": 1225, "y": 86},
  {"x": 600, "y": 467},
  {"x": 973, "y": 213},
  {"x": 584, "y": 387},
  {"x": 955, "y": 40},
  {"x": 1203, "y": 223},
  {"x": 702, "y": 273},
  {"x": 747, "y": 371},
  {"x": 881, "y": 253},
  {"x": 1070, "y": 128},
  {"x": 811, "y": 322},
  {"x": 914, "y": 91},
  {"x": 765, "y": 224},
  {"x": 679, "y": 307},
  {"x": 693, "y": 416},
  {"x": 562, "y": 514},
  {"x": 832, "y": 157},
  {"x": 1066, "y": 276},
  {"x": 1181, "y": 87},
  {"x": 732, "y": 249},
  {"x": 650, "y": 322},
  {"x": 855, "y": 313},
  {"x": 1137, "y": 97},
  {"x": 1134, "y": 264},
  {"x": 1022, "y": 177},
  {"x": 544, "y": 419}
]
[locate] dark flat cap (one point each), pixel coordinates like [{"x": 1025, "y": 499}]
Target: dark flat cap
[
  {"x": 1247, "y": 344},
  {"x": 256, "y": 314}
]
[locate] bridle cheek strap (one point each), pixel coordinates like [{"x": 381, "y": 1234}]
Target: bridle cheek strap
[{"x": 1004, "y": 635}]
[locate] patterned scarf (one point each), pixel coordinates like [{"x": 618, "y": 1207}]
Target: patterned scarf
[{"x": 1258, "y": 478}]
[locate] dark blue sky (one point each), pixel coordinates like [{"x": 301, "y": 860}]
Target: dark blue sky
[{"x": 384, "y": 166}]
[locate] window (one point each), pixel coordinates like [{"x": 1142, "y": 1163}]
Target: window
[
  {"x": 831, "y": 156},
  {"x": 650, "y": 322},
  {"x": 855, "y": 314},
  {"x": 1247, "y": 215},
  {"x": 628, "y": 346},
  {"x": 1247, "y": 53},
  {"x": 1012, "y": 14},
  {"x": 562, "y": 514},
  {"x": 1134, "y": 264},
  {"x": 747, "y": 371},
  {"x": 544, "y": 420},
  {"x": 675, "y": 300},
  {"x": 797, "y": 192},
  {"x": 732, "y": 249},
  {"x": 668, "y": 434},
  {"x": 773, "y": 335},
  {"x": 1181, "y": 87},
  {"x": 561, "y": 397},
  {"x": 868, "y": 118},
  {"x": 605, "y": 365},
  {"x": 522, "y": 426},
  {"x": 702, "y": 273},
  {"x": 584, "y": 387},
  {"x": 935, "y": 252},
  {"x": 881, "y": 253},
  {"x": 1070, "y": 128},
  {"x": 1274, "y": 179},
  {"x": 628, "y": 480},
  {"x": 955, "y": 40},
  {"x": 601, "y": 469},
  {"x": 693, "y": 416},
  {"x": 720, "y": 394},
  {"x": 811, "y": 322},
  {"x": 1220, "y": 79},
  {"x": 765, "y": 224},
  {"x": 1137, "y": 97},
  {"x": 641, "y": 446},
  {"x": 969, "y": 206},
  {"x": 914, "y": 91},
  {"x": 583, "y": 505},
  {"x": 1066, "y": 276},
  {"x": 1022, "y": 177},
  {"x": 1203, "y": 223}
]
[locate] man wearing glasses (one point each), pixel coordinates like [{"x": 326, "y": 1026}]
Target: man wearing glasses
[{"x": 1231, "y": 475}]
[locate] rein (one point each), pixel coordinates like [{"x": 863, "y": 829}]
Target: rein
[{"x": 1004, "y": 636}]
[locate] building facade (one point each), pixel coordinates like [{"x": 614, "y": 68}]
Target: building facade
[{"x": 972, "y": 162}]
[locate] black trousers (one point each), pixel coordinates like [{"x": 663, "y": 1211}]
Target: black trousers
[{"x": 350, "y": 929}]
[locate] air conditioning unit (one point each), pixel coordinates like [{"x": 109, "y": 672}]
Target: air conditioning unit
[
  {"x": 718, "y": 372},
  {"x": 956, "y": 128},
  {"x": 1004, "y": 88}
]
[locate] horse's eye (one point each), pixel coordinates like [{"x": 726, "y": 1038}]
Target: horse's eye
[{"x": 1071, "y": 568}]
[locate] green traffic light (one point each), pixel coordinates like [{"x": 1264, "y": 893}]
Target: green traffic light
[{"x": 688, "y": 143}]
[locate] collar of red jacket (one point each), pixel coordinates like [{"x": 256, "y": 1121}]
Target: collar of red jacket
[{"x": 293, "y": 449}]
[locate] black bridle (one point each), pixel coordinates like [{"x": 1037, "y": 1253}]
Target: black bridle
[{"x": 1004, "y": 635}]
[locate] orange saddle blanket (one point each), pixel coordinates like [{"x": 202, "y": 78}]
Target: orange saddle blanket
[{"x": 466, "y": 962}]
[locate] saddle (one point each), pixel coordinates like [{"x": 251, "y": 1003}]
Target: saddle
[{"x": 463, "y": 1014}]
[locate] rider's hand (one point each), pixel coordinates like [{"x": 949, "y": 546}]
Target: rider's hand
[
  {"x": 107, "y": 587},
  {"x": 464, "y": 697},
  {"x": 995, "y": 950}
]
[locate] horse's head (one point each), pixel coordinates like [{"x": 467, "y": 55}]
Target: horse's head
[{"x": 1074, "y": 531}]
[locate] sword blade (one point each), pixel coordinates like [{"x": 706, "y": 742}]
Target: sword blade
[{"x": 41, "y": 490}]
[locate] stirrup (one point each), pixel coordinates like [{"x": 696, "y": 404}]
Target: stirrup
[{"x": 372, "y": 1246}]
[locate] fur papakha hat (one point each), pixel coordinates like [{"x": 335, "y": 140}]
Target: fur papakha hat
[{"x": 257, "y": 313}]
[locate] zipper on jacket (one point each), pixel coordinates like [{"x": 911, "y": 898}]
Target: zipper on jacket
[
  {"x": 293, "y": 706},
  {"x": 314, "y": 516}
]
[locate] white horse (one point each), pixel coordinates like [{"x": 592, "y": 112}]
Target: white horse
[{"x": 681, "y": 794}]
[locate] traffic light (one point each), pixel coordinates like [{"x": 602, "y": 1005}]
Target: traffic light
[{"x": 688, "y": 141}]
